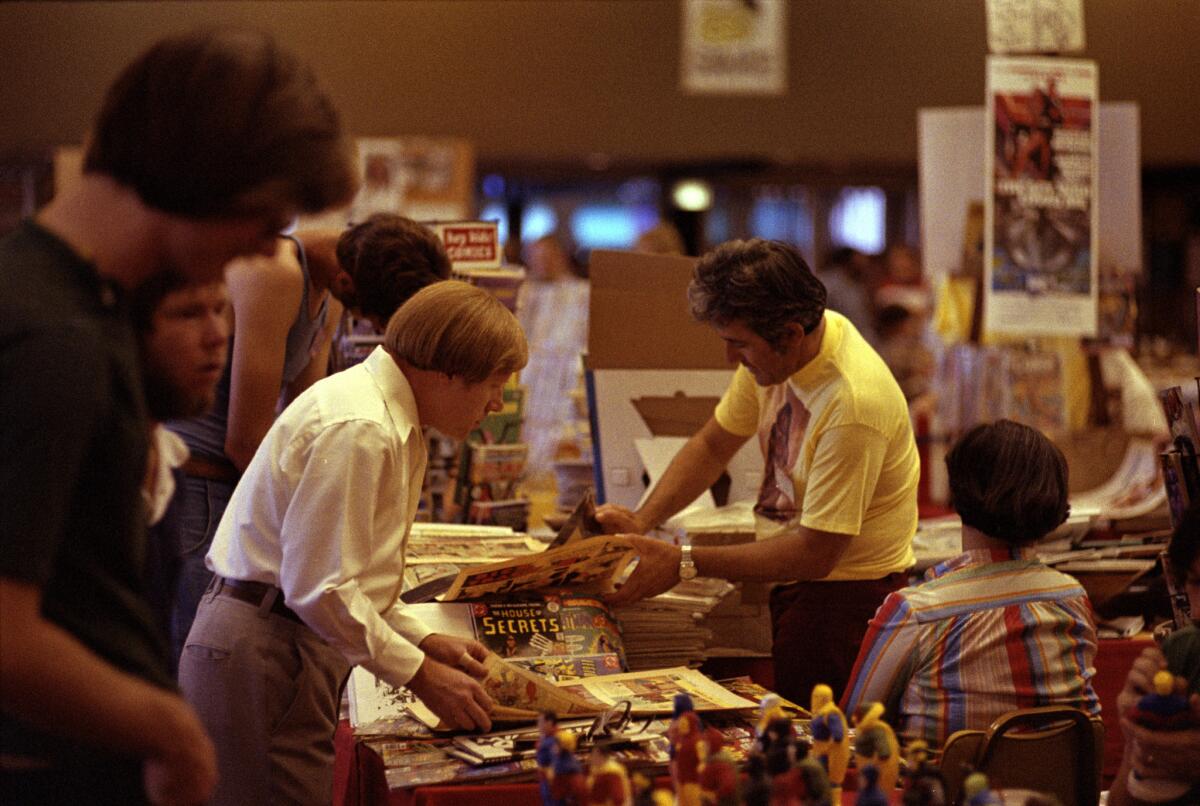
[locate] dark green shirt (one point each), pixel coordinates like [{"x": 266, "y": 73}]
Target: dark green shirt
[{"x": 73, "y": 441}]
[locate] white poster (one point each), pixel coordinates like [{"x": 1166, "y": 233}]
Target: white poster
[
  {"x": 1040, "y": 229},
  {"x": 1035, "y": 26},
  {"x": 732, "y": 47}
]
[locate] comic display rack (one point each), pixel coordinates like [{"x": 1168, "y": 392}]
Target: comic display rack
[
  {"x": 1181, "y": 474},
  {"x": 1181, "y": 477}
]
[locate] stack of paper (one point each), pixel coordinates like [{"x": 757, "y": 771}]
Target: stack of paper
[{"x": 668, "y": 629}]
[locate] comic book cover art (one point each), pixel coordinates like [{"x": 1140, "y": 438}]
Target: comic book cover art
[
  {"x": 586, "y": 566},
  {"x": 558, "y": 635},
  {"x": 512, "y": 686},
  {"x": 1040, "y": 256},
  {"x": 653, "y": 691}
]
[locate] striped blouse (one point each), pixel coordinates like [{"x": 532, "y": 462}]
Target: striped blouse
[{"x": 989, "y": 631}]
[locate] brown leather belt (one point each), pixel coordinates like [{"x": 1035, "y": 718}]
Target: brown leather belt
[
  {"x": 211, "y": 469},
  {"x": 255, "y": 593}
]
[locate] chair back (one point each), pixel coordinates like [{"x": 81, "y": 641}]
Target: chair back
[{"x": 1054, "y": 749}]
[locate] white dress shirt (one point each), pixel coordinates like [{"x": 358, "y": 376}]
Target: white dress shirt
[
  {"x": 324, "y": 510},
  {"x": 171, "y": 452}
]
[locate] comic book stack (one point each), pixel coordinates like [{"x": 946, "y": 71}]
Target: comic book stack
[
  {"x": 668, "y": 629},
  {"x": 1181, "y": 474}
]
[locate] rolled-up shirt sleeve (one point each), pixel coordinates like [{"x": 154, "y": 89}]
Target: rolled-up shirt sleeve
[{"x": 344, "y": 527}]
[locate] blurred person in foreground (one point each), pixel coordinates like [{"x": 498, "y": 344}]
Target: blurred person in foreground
[
  {"x": 837, "y": 509},
  {"x": 1159, "y": 754},
  {"x": 204, "y": 148},
  {"x": 309, "y": 556},
  {"x": 993, "y": 629}
]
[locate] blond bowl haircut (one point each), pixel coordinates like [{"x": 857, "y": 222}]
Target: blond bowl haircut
[{"x": 457, "y": 329}]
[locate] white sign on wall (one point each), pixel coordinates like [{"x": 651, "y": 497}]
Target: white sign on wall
[
  {"x": 1035, "y": 26},
  {"x": 731, "y": 47}
]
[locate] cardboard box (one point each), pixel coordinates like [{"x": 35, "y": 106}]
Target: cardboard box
[{"x": 645, "y": 350}]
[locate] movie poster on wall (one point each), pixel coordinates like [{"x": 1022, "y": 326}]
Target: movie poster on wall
[{"x": 1040, "y": 254}]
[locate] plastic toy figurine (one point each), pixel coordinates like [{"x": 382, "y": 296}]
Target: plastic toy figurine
[
  {"x": 876, "y": 744},
  {"x": 924, "y": 785},
  {"x": 778, "y": 732},
  {"x": 718, "y": 771},
  {"x": 869, "y": 793},
  {"x": 547, "y": 753},
  {"x": 831, "y": 740},
  {"x": 608, "y": 782},
  {"x": 568, "y": 787},
  {"x": 769, "y": 708},
  {"x": 1166, "y": 708},
  {"x": 685, "y": 736},
  {"x": 756, "y": 789},
  {"x": 781, "y": 756},
  {"x": 811, "y": 783},
  {"x": 977, "y": 792}
]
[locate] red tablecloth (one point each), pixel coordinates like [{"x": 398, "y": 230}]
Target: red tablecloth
[{"x": 359, "y": 778}]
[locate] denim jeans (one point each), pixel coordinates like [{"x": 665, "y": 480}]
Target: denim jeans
[{"x": 201, "y": 503}]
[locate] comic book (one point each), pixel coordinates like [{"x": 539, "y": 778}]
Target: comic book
[
  {"x": 580, "y": 524},
  {"x": 559, "y": 635},
  {"x": 586, "y": 566},
  {"x": 506, "y": 745},
  {"x": 653, "y": 691}
]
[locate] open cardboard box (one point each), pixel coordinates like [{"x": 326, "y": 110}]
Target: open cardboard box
[{"x": 651, "y": 370}]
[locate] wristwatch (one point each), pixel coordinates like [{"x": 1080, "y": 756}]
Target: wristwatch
[{"x": 687, "y": 566}]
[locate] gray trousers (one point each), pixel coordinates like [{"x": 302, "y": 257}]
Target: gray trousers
[{"x": 267, "y": 690}]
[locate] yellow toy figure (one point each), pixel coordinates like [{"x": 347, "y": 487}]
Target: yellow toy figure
[
  {"x": 875, "y": 744},
  {"x": 831, "y": 740}
]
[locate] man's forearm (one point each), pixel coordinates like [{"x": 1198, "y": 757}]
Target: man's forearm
[
  {"x": 808, "y": 554},
  {"x": 53, "y": 682}
]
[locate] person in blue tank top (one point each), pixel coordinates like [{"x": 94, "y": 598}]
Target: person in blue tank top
[{"x": 284, "y": 309}]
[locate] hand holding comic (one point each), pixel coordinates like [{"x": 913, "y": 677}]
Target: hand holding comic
[
  {"x": 461, "y": 653},
  {"x": 459, "y": 700},
  {"x": 657, "y": 571}
]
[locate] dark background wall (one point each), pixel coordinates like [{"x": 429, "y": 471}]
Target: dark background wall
[{"x": 562, "y": 81}]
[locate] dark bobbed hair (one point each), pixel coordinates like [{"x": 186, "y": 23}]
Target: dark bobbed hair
[
  {"x": 1008, "y": 481},
  {"x": 765, "y": 285},
  {"x": 201, "y": 120},
  {"x": 390, "y": 258},
  {"x": 1185, "y": 545}
]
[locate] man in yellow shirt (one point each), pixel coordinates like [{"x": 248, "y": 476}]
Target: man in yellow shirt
[{"x": 838, "y": 505}]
